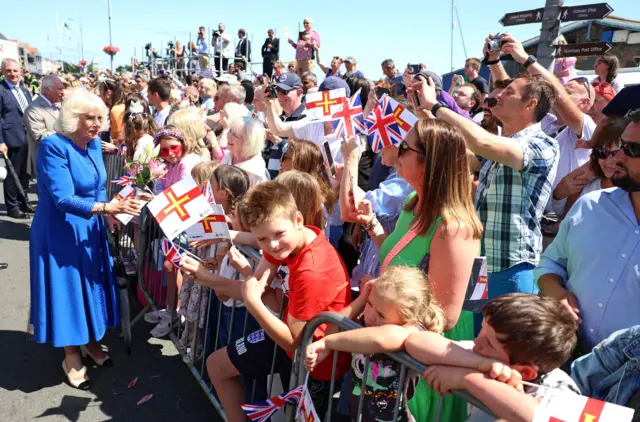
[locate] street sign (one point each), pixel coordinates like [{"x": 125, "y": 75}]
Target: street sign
[
  {"x": 587, "y": 49},
  {"x": 519, "y": 18},
  {"x": 585, "y": 12}
]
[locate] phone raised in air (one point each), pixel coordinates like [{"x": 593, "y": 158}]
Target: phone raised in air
[
  {"x": 327, "y": 153},
  {"x": 273, "y": 92},
  {"x": 414, "y": 69}
]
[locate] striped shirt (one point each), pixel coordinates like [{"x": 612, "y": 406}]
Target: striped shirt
[{"x": 510, "y": 203}]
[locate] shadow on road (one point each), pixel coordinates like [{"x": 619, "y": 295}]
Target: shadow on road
[{"x": 15, "y": 229}]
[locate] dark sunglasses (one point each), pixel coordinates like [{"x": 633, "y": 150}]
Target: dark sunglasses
[
  {"x": 630, "y": 149},
  {"x": 404, "y": 147},
  {"x": 602, "y": 153},
  {"x": 584, "y": 82},
  {"x": 491, "y": 102}
]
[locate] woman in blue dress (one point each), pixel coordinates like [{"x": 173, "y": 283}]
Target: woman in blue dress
[{"x": 73, "y": 292}]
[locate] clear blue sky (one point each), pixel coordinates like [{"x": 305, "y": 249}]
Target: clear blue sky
[{"x": 369, "y": 30}]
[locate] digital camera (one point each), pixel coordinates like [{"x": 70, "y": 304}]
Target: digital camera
[{"x": 496, "y": 42}]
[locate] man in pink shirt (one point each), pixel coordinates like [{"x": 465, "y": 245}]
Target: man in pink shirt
[{"x": 304, "y": 47}]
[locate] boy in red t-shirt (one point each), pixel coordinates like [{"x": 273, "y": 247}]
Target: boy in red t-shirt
[{"x": 318, "y": 282}]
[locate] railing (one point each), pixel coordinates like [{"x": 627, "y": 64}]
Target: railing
[
  {"x": 137, "y": 250},
  {"x": 408, "y": 363}
]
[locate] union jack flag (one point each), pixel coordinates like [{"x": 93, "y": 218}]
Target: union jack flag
[
  {"x": 123, "y": 180},
  {"x": 349, "y": 120},
  {"x": 208, "y": 193},
  {"x": 173, "y": 253},
  {"x": 387, "y": 124},
  {"x": 263, "y": 410}
]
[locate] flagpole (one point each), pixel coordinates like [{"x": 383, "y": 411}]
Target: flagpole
[
  {"x": 109, "y": 10},
  {"x": 81, "y": 39}
]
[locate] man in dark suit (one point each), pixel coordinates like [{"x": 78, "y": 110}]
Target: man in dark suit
[
  {"x": 14, "y": 100},
  {"x": 243, "y": 49},
  {"x": 270, "y": 53}
]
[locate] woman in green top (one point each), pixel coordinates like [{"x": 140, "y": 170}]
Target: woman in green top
[{"x": 439, "y": 219}]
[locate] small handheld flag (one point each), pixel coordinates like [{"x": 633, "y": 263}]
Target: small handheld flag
[
  {"x": 125, "y": 193},
  {"x": 179, "y": 207},
  {"x": 213, "y": 226},
  {"x": 388, "y": 123},
  {"x": 263, "y": 410},
  {"x": 123, "y": 180},
  {"x": 322, "y": 105},
  {"x": 349, "y": 120}
]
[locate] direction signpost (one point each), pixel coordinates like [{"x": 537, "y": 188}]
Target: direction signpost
[
  {"x": 551, "y": 16},
  {"x": 567, "y": 14},
  {"x": 587, "y": 49},
  {"x": 585, "y": 12}
]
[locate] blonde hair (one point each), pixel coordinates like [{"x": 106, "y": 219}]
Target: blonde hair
[
  {"x": 78, "y": 101},
  {"x": 203, "y": 171},
  {"x": 209, "y": 87},
  {"x": 306, "y": 192},
  {"x": 409, "y": 289},
  {"x": 189, "y": 122}
]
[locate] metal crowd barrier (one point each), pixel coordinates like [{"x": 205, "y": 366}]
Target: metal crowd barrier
[
  {"x": 114, "y": 164},
  {"x": 199, "y": 333},
  {"x": 408, "y": 363}
]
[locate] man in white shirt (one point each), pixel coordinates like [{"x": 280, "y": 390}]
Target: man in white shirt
[
  {"x": 222, "y": 48},
  {"x": 159, "y": 91}
]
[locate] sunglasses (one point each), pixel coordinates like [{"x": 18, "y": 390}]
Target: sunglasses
[
  {"x": 404, "y": 147},
  {"x": 584, "y": 82},
  {"x": 175, "y": 150},
  {"x": 602, "y": 153},
  {"x": 630, "y": 149},
  {"x": 491, "y": 102}
]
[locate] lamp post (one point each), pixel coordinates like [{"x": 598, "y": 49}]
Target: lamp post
[{"x": 110, "y": 43}]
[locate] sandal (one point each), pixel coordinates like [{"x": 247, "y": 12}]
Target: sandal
[{"x": 77, "y": 379}]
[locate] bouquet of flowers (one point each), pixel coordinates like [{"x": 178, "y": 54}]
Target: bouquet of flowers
[
  {"x": 111, "y": 50},
  {"x": 146, "y": 170}
]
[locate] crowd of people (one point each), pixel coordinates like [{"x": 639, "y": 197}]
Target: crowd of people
[{"x": 387, "y": 238}]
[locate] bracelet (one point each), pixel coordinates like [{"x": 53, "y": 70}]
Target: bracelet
[
  {"x": 435, "y": 109},
  {"x": 372, "y": 225},
  {"x": 492, "y": 62},
  {"x": 104, "y": 208}
]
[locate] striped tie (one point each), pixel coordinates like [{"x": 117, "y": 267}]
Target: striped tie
[{"x": 20, "y": 96}]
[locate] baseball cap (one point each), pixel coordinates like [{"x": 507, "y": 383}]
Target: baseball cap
[
  {"x": 333, "y": 82},
  {"x": 351, "y": 60},
  {"x": 288, "y": 81},
  {"x": 230, "y": 79},
  {"x": 437, "y": 80}
]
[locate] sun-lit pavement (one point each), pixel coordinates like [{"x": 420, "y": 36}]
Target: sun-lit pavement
[{"x": 33, "y": 386}]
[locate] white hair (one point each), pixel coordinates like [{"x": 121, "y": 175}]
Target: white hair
[
  {"x": 208, "y": 85},
  {"x": 79, "y": 101},
  {"x": 7, "y": 61},
  {"x": 237, "y": 93},
  {"x": 48, "y": 82},
  {"x": 235, "y": 110},
  {"x": 252, "y": 131}
]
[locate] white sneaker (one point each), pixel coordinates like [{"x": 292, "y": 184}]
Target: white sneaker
[
  {"x": 162, "y": 329},
  {"x": 155, "y": 316}
]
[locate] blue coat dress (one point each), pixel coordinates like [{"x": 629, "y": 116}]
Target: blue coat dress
[{"x": 73, "y": 290}]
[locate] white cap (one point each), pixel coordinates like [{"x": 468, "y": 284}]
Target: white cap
[{"x": 230, "y": 79}]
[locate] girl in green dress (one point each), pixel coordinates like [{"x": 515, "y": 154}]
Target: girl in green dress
[{"x": 438, "y": 221}]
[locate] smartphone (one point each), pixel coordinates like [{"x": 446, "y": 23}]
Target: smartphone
[
  {"x": 273, "y": 92},
  {"x": 380, "y": 91},
  {"x": 415, "y": 69},
  {"x": 416, "y": 99},
  {"x": 327, "y": 153}
]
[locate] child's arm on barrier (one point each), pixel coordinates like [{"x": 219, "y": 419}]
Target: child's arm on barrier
[
  {"x": 434, "y": 349},
  {"x": 501, "y": 398},
  {"x": 368, "y": 340}
]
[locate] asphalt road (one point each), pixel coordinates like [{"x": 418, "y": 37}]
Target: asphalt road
[{"x": 33, "y": 386}]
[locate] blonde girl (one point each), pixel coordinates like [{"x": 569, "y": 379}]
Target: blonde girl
[{"x": 390, "y": 308}]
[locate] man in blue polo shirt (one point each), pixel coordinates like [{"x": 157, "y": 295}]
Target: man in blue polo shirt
[{"x": 394, "y": 77}]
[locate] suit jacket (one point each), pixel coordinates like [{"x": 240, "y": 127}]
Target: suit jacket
[
  {"x": 243, "y": 49},
  {"x": 38, "y": 120},
  {"x": 274, "y": 52},
  {"x": 12, "y": 130}
]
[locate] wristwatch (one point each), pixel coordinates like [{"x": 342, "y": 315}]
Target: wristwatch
[
  {"x": 437, "y": 107},
  {"x": 530, "y": 60}
]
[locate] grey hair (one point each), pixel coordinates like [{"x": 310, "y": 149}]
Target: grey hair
[
  {"x": 79, "y": 101},
  {"x": 388, "y": 63},
  {"x": 8, "y": 60},
  {"x": 253, "y": 133},
  {"x": 48, "y": 82},
  {"x": 311, "y": 76},
  {"x": 237, "y": 93}
]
